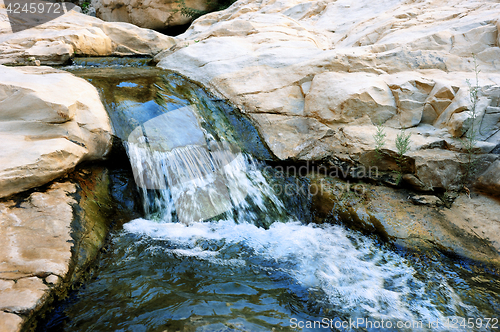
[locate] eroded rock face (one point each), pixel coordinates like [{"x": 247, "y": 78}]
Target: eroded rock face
[
  {"x": 308, "y": 72},
  {"x": 470, "y": 228},
  {"x": 56, "y": 41},
  {"x": 152, "y": 14},
  {"x": 36, "y": 244},
  {"x": 50, "y": 121}
]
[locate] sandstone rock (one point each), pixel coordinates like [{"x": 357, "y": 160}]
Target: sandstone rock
[
  {"x": 489, "y": 181},
  {"x": 54, "y": 118},
  {"x": 308, "y": 71},
  {"x": 152, "y": 15},
  {"x": 10, "y": 322},
  {"x": 471, "y": 228},
  {"x": 44, "y": 239},
  {"x": 36, "y": 236},
  {"x": 26, "y": 295},
  {"x": 56, "y": 41}
]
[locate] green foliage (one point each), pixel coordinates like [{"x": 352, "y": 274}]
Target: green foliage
[
  {"x": 471, "y": 136},
  {"x": 403, "y": 142},
  {"x": 379, "y": 138}
]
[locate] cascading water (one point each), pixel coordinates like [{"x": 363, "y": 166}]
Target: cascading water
[
  {"x": 345, "y": 273},
  {"x": 218, "y": 250},
  {"x": 218, "y": 196}
]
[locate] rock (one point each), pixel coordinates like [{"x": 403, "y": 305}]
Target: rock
[
  {"x": 45, "y": 217},
  {"x": 52, "y": 280},
  {"x": 54, "y": 118},
  {"x": 10, "y": 322},
  {"x": 24, "y": 296},
  {"x": 59, "y": 40},
  {"x": 156, "y": 15},
  {"x": 489, "y": 181},
  {"x": 429, "y": 200},
  {"x": 307, "y": 72},
  {"x": 53, "y": 236},
  {"x": 470, "y": 228}
]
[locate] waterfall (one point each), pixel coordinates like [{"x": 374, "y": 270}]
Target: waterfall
[
  {"x": 218, "y": 251},
  {"x": 216, "y": 193},
  {"x": 198, "y": 181}
]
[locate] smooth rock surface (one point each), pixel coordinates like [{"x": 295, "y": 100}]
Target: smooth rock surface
[
  {"x": 54, "y": 118},
  {"x": 308, "y": 71},
  {"x": 489, "y": 181},
  {"x": 59, "y": 40},
  {"x": 152, "y": 14}
]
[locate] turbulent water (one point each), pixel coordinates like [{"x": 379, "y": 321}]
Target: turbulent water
[{"x": 218, "y": 250}]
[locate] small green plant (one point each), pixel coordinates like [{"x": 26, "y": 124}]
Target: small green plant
[
  {"x": 470, "y": 139},
  {"x": 379, "y": 138},
  {"x": 85, "y": 5},
  {"x": 403, "y": 142}
]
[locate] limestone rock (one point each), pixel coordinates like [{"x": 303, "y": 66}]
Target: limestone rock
[
  {"x": 489, "y": 181},
  {"x": 10, "y": 322},
  {"x": 54, "y": 118},
  {"x": 152, "y": 14},
  {"x": 36, "y": 236},
  {"x": 308, "y": 71},
  {"x": 470, "y": 228},
  {"x": 56, "y": 41},
  {"x": 24, "y": 296}
]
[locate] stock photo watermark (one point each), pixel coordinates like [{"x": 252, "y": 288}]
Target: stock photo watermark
[
  {"x": 26, "y": 14},
  {"x": 454, "y": 323}
]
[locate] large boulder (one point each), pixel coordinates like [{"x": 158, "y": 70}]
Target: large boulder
[
  {"x": 50, "y": 121},
  {"x": 307, "y": 72},
  {"x": 156, "y": 15},
  {"x": 76, "y": 34}
]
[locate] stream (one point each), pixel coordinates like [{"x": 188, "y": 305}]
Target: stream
[{"x": 219, "y": 249}]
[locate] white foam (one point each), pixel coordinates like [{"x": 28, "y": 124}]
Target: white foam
[{"x": 355, "y": 274}]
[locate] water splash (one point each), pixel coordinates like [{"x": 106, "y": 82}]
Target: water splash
[{"x": 353, "y": 276}]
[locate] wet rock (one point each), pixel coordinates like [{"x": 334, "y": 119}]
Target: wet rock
[
  {"x": 50, "y": 238},
  {"x": 470, "y": 228},
  {"x": 59, "y": 40},
  {"x": 54, "y": 118}
]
